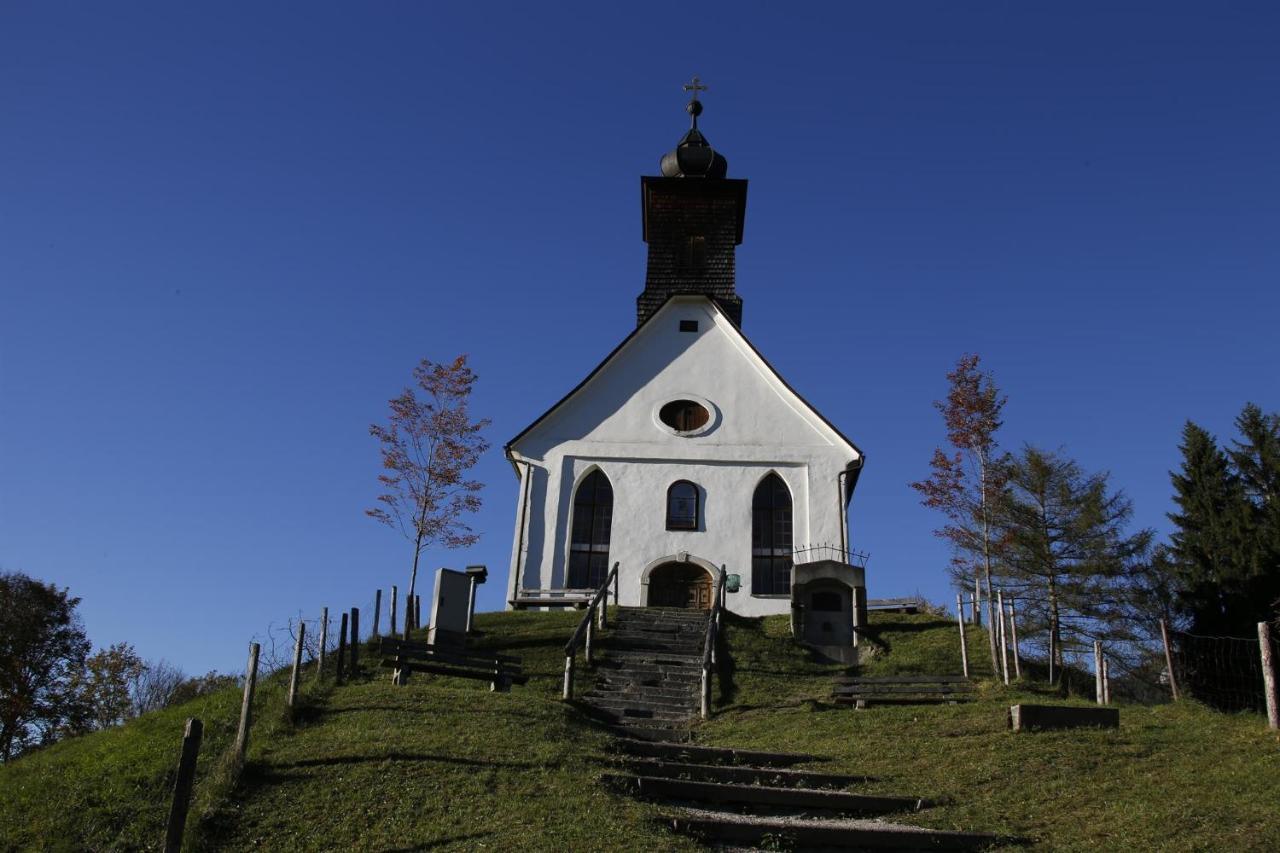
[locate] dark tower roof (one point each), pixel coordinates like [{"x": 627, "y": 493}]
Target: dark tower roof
[
  {"x": 693, "y": 156},
  {"x": 693, "y": 218}
]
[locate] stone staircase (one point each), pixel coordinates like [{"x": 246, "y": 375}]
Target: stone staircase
[
  {"x": 646, "y": 690},
  {"x": 648, "y": 678}
]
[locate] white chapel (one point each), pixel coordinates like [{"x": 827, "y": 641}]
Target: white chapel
[{"x": 683, "y": 451}]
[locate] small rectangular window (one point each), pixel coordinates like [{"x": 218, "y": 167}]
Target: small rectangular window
[{"x": 688, "y": 325}]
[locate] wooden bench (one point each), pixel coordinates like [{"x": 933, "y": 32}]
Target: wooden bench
[
  {"x": 501, "y": 671},
  {"x": 861, "y": 691}
]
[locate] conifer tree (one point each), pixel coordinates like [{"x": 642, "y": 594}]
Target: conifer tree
[
  {"x": 1067, "y": 549},
  {"x": 1227, "y": 538}
]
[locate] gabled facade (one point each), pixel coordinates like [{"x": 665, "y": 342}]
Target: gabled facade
[{"x": 684, "y": 450}]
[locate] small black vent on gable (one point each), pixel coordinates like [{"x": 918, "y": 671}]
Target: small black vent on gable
[{"x": 688, "y": 325}]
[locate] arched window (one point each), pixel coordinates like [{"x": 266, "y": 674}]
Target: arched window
[
  {"x": 682, "y": 506},
  {"x": 589, "y": 544},
  {"x": 771, "y": 538}
]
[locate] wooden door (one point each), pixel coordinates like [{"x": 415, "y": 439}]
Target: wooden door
[{"x": 680, "y": 585}]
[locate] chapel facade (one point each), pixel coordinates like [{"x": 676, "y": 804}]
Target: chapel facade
[{"x": 684, "y": 451}]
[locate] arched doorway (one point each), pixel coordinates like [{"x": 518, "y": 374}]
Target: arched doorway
[{"x": 680, "y": 585}]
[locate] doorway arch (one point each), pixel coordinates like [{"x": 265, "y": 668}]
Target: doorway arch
[{"x": 677, "y": 583}]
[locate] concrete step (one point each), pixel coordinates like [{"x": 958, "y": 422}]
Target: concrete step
[
  {"x": 802, "y": 800},
  {"x": 784, "y": 834},
  {"x": 715, "y": 754},
  {"x": 742, "y": 775}
]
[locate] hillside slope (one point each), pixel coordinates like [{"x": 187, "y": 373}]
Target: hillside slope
[{"x": 444, "y": 764}]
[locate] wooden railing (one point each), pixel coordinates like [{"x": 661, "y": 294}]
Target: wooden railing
[
  {"x": 709, "y": 646},
  {"x": 597, "y": 610}
]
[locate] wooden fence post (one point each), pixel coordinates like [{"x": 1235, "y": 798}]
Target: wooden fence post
[
  {"x": 1106, "y": 681},
  {"x": 568, "y": 678},
  {"x": 1013, "y": 630},
  {"x": 591, "y": 629},
  {"x": 1004, "y": 646},
  {"x": 1168, "y": 659},
  {"x": 297, "y": 662},
  {"x": 1097, "y": 671},
  {"x": 324, "y": 641},
  {"x": 342, "y": 650},
  {"x": 964, "y": 651},
  {"x": 977, "y": 609},
  {"x": 182, "y": 787},
  {"x": 1269, "y": 675},
  {"x": 355, "y": 639},
  {"x": 394, "y": 593},
  {"x": 377, "y": 612},
  {"x": 246, "y": 705}
]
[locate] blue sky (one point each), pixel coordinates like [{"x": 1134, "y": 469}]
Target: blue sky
[{"x": 228, "y": 233}]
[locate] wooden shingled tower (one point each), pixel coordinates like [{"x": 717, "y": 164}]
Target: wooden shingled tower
[{"x": 693, "y": 218}]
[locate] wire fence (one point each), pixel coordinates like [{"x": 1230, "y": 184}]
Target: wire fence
[{"x": 1223, "y": 672}]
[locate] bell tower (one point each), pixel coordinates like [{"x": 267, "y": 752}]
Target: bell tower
[{"x": 693, "y": 219}]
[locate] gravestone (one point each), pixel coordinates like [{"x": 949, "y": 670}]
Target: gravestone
[{"x": 450, "y": 608}]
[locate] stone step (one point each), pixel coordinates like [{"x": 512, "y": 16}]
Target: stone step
[
  {"x": 675, "y": 686},
  {"x": 651, "y": 696},
  {"x": 646, "y": 657},
  {"x": 742, "y": 775},
  {"x": 636, "y": 711},
  {"x": 637, "y": 732},
  {"x": 663, "y": 612},
  {"x": 716, "y": 754},
  {"x": 804, "y": 800},
  {"x": 784, "y": 834},
  {"x": 667, "y": 637},
  {"x": 644, "y": 682}
]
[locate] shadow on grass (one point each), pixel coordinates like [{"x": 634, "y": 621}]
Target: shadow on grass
[
  {"x": 399, "y": 756},
  {"x": 443, "y": 842}
]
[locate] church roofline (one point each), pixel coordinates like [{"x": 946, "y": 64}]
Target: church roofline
[{"x": 508, "y": 448}]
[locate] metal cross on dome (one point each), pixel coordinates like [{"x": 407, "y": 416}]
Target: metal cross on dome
[{"x": 695, "y": 86}]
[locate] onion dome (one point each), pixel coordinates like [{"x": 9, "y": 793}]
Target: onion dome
[{"x": 693, "y": 156}]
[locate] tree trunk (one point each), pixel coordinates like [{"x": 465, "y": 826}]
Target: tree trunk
[
  {"x": 986, "y": 561},
  {"x": 413, "y": 580}
]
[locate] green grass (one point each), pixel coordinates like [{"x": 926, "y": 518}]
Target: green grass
[
  {"x": 1177, "y": 777},
  {"x": 444, "y": 764}
]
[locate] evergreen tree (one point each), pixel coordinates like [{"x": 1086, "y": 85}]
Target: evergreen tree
[
  {"x": 1066, "y": 551},
  {"x": 1227, "y": 538}
]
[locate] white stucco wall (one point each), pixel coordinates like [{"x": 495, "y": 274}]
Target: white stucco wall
[{"x": 757, "y": 426}]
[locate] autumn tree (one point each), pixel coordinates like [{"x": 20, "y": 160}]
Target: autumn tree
[
  {"x": 966, "y": 482},
  {"x": 1067, "y": 549},
  {"x": 42, "y": 651},
  {"x": 428, "y": 445},
  {"x": 107, "y": 684}
]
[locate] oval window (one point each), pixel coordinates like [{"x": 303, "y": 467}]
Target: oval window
[{"x": 684, "y": 415}]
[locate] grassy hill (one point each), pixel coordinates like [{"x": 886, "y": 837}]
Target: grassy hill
[{"x": 444, "y": 764}]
